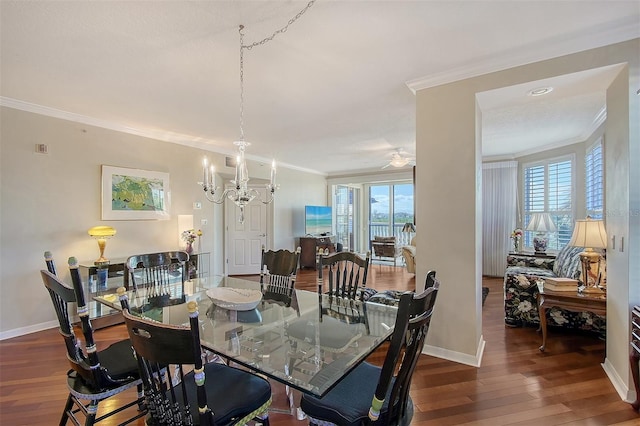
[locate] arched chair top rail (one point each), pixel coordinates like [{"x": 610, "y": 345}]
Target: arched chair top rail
[{"x": 150, "y": 260}]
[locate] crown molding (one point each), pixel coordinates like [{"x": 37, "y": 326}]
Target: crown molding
[
  {"x": 534, "y": 52},
  {"x": 161, "y": 135},
  {"x": 598, "y": 120},
  {"x": 192, "y": 141}
]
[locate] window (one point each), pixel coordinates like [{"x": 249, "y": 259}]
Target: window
[
  {"x": 390, "y": 207},
  {"x": 594, "y": 180},
  {"x": 548, "y": 188}
]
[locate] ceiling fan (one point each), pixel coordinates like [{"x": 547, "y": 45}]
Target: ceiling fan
[{"x": 398, "y": 159}]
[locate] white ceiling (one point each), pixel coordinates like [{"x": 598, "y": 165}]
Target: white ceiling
[{"x": 331, "y": 95}]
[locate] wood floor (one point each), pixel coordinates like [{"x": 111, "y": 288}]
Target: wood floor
[{"x": 516, "y": 384}]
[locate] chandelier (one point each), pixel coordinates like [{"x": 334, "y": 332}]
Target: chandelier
[{"x": 240, "y": 192}]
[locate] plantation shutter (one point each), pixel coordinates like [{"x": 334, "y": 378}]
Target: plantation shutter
[
  {"x": 594, "y": 184},
  {"x": 548, "y": 188}
]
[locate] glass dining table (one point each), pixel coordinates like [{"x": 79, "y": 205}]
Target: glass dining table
[{"x": 262, "y": 338}]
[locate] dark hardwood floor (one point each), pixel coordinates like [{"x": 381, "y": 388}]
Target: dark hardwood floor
[{"x": 516, "y": 384}]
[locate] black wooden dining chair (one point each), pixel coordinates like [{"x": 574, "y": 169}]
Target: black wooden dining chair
[
  {"x": 370, "y": 393},
  {"x": 341, "y": 289},
  {"x": 344, "y": 281},
  {"x": 278, "y": 273},
  {"x": 203, "y": 394},
  {"x": 345, "y": 276},
  {"x": 94, "y": 375},
  {"x": 160, "y": 275}
]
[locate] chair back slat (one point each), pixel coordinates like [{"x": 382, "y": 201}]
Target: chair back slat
[{"x": 278, "y": 273}]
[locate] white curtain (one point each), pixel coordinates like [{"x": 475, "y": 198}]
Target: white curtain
[{"x": 499, "y": 214}]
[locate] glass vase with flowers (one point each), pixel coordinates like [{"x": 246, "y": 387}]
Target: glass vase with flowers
[
  {"x": 516, "y": 237},
  {"x": 189, "y": 236}
]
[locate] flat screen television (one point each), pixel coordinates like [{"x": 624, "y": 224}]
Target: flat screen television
[{"x": 317, "y": 220}]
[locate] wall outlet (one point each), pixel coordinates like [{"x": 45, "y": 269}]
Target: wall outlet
[{"x": 42, "y": 148}]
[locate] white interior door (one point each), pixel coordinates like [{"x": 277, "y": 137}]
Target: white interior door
[{"x": 245, "y": 240}]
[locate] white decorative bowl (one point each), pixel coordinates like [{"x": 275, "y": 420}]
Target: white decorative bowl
[{"x": 236, "y": 299}]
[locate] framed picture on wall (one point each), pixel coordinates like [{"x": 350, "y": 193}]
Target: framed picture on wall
[{"x": 134, "y": 194}]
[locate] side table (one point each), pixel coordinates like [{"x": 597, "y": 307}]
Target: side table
[{"x": 572, "y": 301}]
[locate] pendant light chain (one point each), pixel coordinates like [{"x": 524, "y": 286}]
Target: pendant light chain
[
  {"x": 241, "y": 83},
  {"x": 241, "y": 194},
  {"x": 281, "y": 30},
  {"x": 249, "y": 47}
]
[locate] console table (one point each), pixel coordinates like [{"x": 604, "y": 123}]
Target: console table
[
  {"x": 116, "y": 276},
  {"x": 572, "y": 301},
  {"x": 309, "y": 247}
]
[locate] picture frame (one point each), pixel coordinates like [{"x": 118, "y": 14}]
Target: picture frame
[{"x": 134, "y": 194}]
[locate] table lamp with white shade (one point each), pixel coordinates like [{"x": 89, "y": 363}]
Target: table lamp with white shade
[
  {"x": 541, "y": 224},
  {"x": 590, "y": 234}
]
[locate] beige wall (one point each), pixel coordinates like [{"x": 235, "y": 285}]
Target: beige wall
[
  {"x": 297, "y": 190},
  {"x": 448, "y": 179},
  {"x": 48, "y": 202}
]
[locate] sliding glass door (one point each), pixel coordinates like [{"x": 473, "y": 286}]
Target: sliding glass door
[
  {"x": 345, "y": 201},
  {"x": 390, "y": 207}
]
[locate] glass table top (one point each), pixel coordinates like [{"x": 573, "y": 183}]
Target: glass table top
[{"x": 309, "y": 346}]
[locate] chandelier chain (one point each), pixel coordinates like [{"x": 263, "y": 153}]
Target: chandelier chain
[
  {"x": 241, "y": 84},
  {"x": 259, "y": 43},
  {"x": 241, "y": 194},
  {"x": 281, "y": 30}
]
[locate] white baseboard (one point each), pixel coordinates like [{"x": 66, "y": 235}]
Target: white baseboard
[
  {"x": 16, "y": 332},
  {"x": 626, "y": 393},
  {"x": 459, "y": 357}
]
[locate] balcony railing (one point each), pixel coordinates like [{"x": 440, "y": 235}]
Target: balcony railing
[{"x": 384, "y": 230}]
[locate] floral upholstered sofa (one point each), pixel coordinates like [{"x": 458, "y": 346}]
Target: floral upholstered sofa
[{"x": 521, "y": 291}]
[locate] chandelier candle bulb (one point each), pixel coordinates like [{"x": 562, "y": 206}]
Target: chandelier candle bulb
[
  {"x": 237, "y": 178},
  {"x": 273, "y": 173},
  {"x": 205, "y": 170},
  {"x": 212, "y": 178}
]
